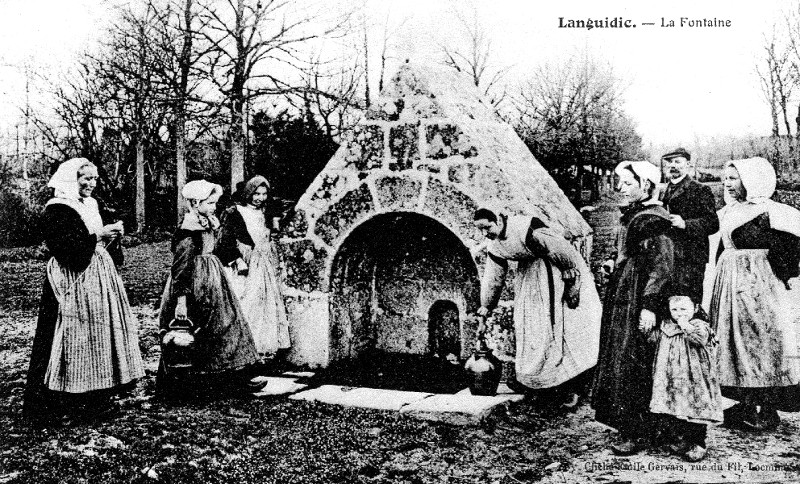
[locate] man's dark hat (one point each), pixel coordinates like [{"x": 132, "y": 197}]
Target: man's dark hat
[{"x": 676, "y": 153}]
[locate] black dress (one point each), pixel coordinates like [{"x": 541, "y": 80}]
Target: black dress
[{"x": 623, "y": 375}]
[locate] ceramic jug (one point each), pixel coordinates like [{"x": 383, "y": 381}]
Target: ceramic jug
[{"x": 484, "y": 370}]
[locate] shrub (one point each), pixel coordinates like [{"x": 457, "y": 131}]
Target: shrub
[
  {"x": 24, "y": 254},
  {"x": 21, "y": 219}
]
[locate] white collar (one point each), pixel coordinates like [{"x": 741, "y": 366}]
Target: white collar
[{"x": 675, "y": 181}]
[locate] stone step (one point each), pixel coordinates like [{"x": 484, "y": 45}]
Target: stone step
[
  {"x": 360, "y": 397},
  {"x": 459, "y": 409},
  {"x": 279, "y": 386},
  {"x": 502, "y": 391},
  {"x": 298, "y": 374}
]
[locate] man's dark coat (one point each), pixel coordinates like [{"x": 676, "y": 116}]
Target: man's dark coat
[{"x": 695, "y": 203}]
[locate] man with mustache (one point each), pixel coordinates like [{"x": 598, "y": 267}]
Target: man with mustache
[{"x": 694, "y": 218}]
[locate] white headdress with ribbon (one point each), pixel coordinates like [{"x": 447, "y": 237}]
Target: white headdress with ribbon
[
  {"x": 759, "y": 181},
  {"x": 65, "y": 183}
]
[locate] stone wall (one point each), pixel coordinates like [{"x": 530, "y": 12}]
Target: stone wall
[
  {"x": 386, "y": 278},
  {"x": 385, "y": 230}
]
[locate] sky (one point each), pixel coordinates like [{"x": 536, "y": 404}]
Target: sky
[{"x": 682, "y": 84}]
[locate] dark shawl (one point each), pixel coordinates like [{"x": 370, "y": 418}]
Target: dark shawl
[{"x": 623, "y": 376}]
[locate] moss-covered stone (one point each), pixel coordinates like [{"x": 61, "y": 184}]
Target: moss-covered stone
[
  {"x": 452, "y": 207},
  {"x": 305, "y": 264},
  {"x": 404, "y": 146},
  {"x": 352, "y": 331},
  {"x": 296, "y": 226},
  {"x": 448, "y": 140},
  {"x": 365, "y": 147},
  {"x": 462, "y": 172},
  {"x": 385, "y": 109},
  {"x": 401, "y": 333},
  {"x": 396, "y": 192},
  {"x": 430, "y": 168},
  {"x": 331, "y": 187},
  {"x": 491, "y": 183},
  {"x": 344, "y": 213}
]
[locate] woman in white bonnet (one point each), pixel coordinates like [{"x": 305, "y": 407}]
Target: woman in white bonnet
[
  {"x": 753, "y": 305},
  {"x": 198, "y": 289},
  {"x": 635, "y": 294},
  {"x": 86, "y": 343},
  {"x": 246, "y": 250}
]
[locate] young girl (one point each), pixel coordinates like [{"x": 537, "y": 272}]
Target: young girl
[
  {"x": 245, "y": 248},
  {"x": 685, "y": 381},
  {"x": 198, "y": 289}
]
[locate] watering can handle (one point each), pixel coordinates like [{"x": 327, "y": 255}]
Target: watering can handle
[{"x": 181, "y": 323}]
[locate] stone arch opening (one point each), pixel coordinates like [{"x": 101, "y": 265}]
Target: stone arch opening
[{"x": 389, "y": 276}]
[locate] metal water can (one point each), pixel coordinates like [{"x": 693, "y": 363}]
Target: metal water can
[{"x": 177, "y": 347}]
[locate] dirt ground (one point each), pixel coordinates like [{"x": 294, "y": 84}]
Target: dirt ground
[{"x": 237, "y": 440}]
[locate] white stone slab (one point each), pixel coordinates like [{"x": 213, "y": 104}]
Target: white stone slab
[
  {"x": 456, "y": 409},
  {"x": 279, "y": 386},
  {"x": 503, "y": 389},
  {"x": 502, "y": 392},
  {"x": 361, "y": 397},
  {"x": 298, "y": 374}
]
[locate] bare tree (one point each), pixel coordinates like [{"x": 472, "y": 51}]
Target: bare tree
[
  {"x": 127, "y": 69},
  {"x": 387, "y": 44},
  {"x": 71, "y": 126},
  {"x": 367, "y": 96},
  {"x": 180, "y": 74},
  {"x": 571, "y": 115},
  {"x": 386, "y": 32},
  {"x": 109, "y": 108},
  {"x": 330, "y": 94},
  {"x": 256, "y": 51},
  {"x": 474, "y": 57},
  {"x": 793, "y": 36},
  {"x": 777, "y": 78}
]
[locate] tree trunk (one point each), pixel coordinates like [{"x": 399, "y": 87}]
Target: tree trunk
[
  {"x": 366, "y": 69},
  {"x": 237, "y": 143},
  {"x": 180, "y": 164},
  {"x": 237, "y": 131},
  {"x": 797, "y": 121},
  {"x": 596, "y": 178},
  {"x": 785, "y": 112},
  {"x": 180, "y": 110},
  {"x": 774, "y": 113},
  {"x": 140, "y": 220}
]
